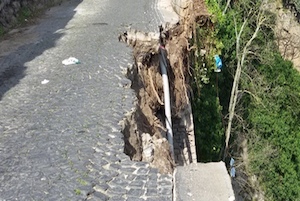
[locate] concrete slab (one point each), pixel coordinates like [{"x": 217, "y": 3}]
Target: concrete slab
[
  {"x": 203, "y": 182},
  {"x": 166, "y": 10}
]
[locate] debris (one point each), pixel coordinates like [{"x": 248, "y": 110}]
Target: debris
[
  {"x": 44, "y": 81},
  {"x": 231, "y": 162},
  {"x": 232, "y": 169},
  {"x": 70, "y": 61},
  {"x": 218, "y": 62},
  {"x": 232, "y": 172}
]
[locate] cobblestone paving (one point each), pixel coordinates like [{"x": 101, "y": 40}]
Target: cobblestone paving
[{"x": 61, "y": 140}]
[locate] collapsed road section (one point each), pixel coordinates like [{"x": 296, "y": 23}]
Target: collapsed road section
[
  {"x": 145, "y": 128},
  {"x": 146, "y": 132}
]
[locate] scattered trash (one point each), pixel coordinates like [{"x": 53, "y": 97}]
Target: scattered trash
[
  {"x": 218, "y": 62},
  {"x": 70, "y": 61},
  {"x": 232, "y": 169},
  {"x": 232, "y": 172},
  {"x": 44, "y": 81},
  {"x": 231, "y": 162}
]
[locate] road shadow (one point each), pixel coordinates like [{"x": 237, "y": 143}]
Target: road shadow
[{"x": 12, "y": 64}]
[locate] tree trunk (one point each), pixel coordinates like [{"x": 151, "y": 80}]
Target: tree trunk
[{"x": 227, "y": 5}]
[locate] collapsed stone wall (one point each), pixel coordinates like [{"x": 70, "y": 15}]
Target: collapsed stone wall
[{"x": 9, "y": 9}]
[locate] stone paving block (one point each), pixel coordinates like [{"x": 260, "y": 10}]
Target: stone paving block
[
  {"x": 92, "y": 198},
  {"x": 141, "y": 164},
  {"x": 137, "y": 183},
  {"x": 136, "y": 192},
  {"x": 62, "y": 141},
  {"x": 142, "y": 171},
  {"x": 116, "y": 198},
  {"x": 141, "y": 177},
  {"x": 115, "y": 167},
  {"x": 118, "y": 182},
  {"x": 165, "y": 191},
  {"x": 116, "y": 190},
  {"x": 100, "y": 195},
  {"x": 134, "y": 199},
  {"x": 128, "y": 170},
  {"x": 101, "y": 187},
  {"x": 151, "y": 192}
]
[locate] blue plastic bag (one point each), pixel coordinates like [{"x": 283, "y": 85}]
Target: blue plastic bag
[{"x": 218, "y": 62}]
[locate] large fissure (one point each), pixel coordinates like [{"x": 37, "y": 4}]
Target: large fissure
[{"x": 144, "y": 129}]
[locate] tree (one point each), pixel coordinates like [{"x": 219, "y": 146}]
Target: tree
[
  {"x": 256, "y": 16},
  {"x": 275, "y": 157},
  {"x": 265, "y": 96}
]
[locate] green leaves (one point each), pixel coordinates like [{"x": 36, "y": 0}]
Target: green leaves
[
  {"x": 271, "y": 112},
  {"x": 277, "y": 122},
  {"x": 208, "y": 123}
]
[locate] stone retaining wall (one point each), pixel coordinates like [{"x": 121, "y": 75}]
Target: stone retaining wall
[
  {"x": 9, "y": 9},
  {"x": 184, "y": 138}
]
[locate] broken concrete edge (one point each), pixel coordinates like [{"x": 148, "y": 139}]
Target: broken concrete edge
[
  {"x": 172, "y": 10},
  {"x": 167, "y": 11},
  {"x": 174, "y": 185},
  {"x": 202, "y": 182},
  {"x": 147, "y": 83},
  {"x": 180, "y": 6},
  {"x": 144, "y": 130}
]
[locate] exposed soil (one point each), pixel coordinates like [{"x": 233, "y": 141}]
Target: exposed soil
[
  {"x": 288, "y": 35},
  {"x": 144, "y": 129}
]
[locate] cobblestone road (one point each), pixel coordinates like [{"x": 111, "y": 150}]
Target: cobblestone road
[{"x": 61, "y": 140}]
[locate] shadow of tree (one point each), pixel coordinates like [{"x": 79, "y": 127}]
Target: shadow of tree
[{"x": 12, "y": 65}]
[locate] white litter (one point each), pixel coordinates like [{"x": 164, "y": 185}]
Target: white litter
[
  {"x": 189, "y": 194},
  {"x": 70, "y": 61},
  {"x": 232, "y": 172},
  {"x": 44, "y": 81}
]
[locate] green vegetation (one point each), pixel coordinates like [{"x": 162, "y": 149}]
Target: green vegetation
[
  {"x": 82, "y": 182},
  {"x": 267, "y": 112},
  {"x": 206, "y": 106},
  {"x": 208, "y": 124},
  {"x": 77, "y": 191},
  {"x": 24, "y": 14},
  {"x": 276, "y": 120}
]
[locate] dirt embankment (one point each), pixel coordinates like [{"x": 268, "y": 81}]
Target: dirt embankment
[{"x": 144, "y": 130}]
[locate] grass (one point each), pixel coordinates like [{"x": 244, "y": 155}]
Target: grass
[
  {"x": 77, "y": 191},
  {"x": 82, "y": 182}
]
